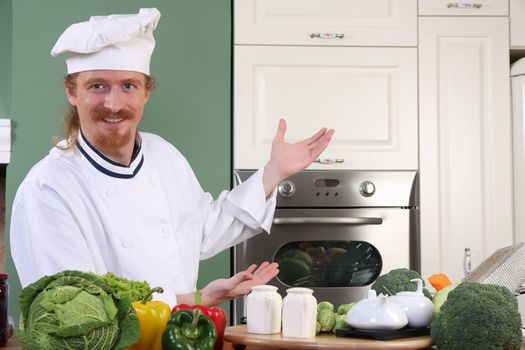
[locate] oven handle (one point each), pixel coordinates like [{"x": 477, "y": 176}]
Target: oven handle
[{"x": 327, "y": 221}]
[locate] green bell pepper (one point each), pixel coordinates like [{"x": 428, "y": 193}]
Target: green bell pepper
[{"x": 189, "y": 330}]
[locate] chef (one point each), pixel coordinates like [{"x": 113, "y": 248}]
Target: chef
[{"x": 108, "y": 197}]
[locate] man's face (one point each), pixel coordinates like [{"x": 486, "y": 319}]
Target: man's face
[{"x": 110, "y": 104}]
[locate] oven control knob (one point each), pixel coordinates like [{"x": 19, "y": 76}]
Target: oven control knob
[
  {"x": 286, "y": 188},
  {"x": 367, "y": 188}
]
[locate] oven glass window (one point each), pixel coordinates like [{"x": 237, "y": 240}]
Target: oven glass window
[{"x": 328, "y": 263}]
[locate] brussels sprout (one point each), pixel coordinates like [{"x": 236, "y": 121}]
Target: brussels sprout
[
  {"x": 325, "y": 305},
  {"x": 340, "y": 323},
  {"x": 343, "y": 308},
  {"x": 327, "y": 320}
]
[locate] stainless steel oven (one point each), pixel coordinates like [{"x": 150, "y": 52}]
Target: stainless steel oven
[{"x": 336, "y": 231}]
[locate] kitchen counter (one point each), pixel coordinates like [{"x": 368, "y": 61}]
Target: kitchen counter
[
  {"x": 239, "y": 335},
  {"x": 13, "y": 344}
]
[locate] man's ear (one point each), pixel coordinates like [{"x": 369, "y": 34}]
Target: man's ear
[{"x": 71, "y": 95}]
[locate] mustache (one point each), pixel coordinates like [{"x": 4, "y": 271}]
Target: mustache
[{"x": 102, "y": 112}]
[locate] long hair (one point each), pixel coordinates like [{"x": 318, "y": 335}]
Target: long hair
[{"x": 71, "y": 119}]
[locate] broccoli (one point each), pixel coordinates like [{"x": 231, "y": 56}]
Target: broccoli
[
  {"x": 398, "y": 280},
  {"x": 478, "y": 316}
]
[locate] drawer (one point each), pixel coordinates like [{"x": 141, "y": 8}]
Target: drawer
[
  {"x": 463, "y": 8},
  {"x": 326, "y": 22}
]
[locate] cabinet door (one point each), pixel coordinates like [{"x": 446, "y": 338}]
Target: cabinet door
[
  {"x": 368, "y": 95},
  {"x": 465, "y": 148},
  {"x": 517, "y": 23},
  {"x": 326, "y": 22},
  {"x": 463, "y": 8}
]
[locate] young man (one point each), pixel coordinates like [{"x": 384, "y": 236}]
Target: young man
[{"x": 111, "y": 198}]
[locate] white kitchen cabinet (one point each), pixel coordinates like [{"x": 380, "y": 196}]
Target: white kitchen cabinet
[
  {"x": 368, "y": 95},
  {"x": 517, "y": 23},
  {"x": 464, "y": 8},
  {"x": 465, "y": 141},
  {"x": 326, "y": 22}
]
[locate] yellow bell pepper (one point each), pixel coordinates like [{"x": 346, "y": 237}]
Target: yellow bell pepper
[{"x": 153, "y": 317}]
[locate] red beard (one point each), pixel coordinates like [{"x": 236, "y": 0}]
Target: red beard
[{"x": 113, "y": 138}]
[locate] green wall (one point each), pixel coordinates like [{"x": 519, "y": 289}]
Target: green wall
[
  {"x": 190, "y": 107},
  {"x": 5, "y": 57}
]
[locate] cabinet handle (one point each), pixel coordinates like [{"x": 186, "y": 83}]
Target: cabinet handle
[
  {"x": 327, "y": 35},
  {"x": 464, "y": 5},
  {"x": 329, "y": 160}
]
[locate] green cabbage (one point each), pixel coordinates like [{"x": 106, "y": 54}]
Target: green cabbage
[{"x": 75, "y": 310}]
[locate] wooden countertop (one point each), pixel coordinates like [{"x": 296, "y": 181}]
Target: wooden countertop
[
  {"x": 12, "y": 344},
  {"x": 239, "y": 335}
]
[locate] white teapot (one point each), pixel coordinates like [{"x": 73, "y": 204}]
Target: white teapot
[
  {"x": 417, "y": 306},
  {"x": 376, "y": 313}
]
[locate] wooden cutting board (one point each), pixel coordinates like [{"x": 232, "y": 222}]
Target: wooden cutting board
[{"x": 239, "y": 335}]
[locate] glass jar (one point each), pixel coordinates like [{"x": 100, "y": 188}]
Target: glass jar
[{"x": 4, "y": 301}]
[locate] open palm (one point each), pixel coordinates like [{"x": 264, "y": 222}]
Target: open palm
[
  {"x": 222, "y": 290},
  {"x": 287, "y": 159}
]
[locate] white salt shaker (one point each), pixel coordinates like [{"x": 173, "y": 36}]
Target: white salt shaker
[
  {"x": 299, "y": 313},
  {"x": 263, "y": 311}
]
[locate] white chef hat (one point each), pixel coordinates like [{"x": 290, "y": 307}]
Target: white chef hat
[{"x": 115, "y": 42}]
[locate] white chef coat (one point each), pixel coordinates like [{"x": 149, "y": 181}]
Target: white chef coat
[{"x": 78, "y": 210}]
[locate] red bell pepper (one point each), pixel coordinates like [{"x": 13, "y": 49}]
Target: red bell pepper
[{"x": 217, "y": 315}]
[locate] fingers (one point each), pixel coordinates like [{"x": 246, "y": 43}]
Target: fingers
[
  {"x": 281, "y": 130},
  {"x": 261, "y": 267},
  {"x": 251, "y": 268},
  {"x": 317, "y": 147},
  {"x": 238, "y": 278},
  {"x": 267, "y": 276},
  {"x": 315, "y": 137}
]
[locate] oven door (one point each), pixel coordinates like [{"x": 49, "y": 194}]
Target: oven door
[{"x": 336, "y": 252}]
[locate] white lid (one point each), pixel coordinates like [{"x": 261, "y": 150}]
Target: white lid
[
  {"x": 417, "y": 293},
  {"x": 300, "y": 290},
  {"x": 518, "y": 67},
  {"x": 264, "y": 288}
]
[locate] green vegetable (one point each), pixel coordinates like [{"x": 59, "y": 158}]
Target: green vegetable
[
  {"x": 344, "y": 308},
  {"x": 398, "y": 280},
  {"x": 326, "y": 318},
  {"x": 317, "y": 327},
  {"x": 75, "y": 310},
  {"x": 478, "y": 316},
  {"x": 134, "y": 290},
  {"x": 340, "y": 323},
  {"x": 189, "y": 330},
  {"x": 325, "y": 305},
  {"x": 292, "y": 269},
  {"x": 304, "y": 256},
  {"x": 441, "y": 296}
]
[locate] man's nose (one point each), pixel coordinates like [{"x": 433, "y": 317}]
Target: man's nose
[{"x": 113, "y": 100}]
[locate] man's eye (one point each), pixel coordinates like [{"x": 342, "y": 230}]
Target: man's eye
[
  {"x": 97, "y": 86},
  {"x": 129, "y": 86}
]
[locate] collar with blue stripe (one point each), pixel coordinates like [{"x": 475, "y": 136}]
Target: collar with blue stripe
[{"x": 108, "y": 166}]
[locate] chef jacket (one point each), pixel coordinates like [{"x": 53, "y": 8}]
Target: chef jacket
[{"x": 79, "y": 210}]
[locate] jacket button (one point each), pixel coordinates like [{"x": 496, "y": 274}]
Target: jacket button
[
  {"x": 111, "y": 192},
  {"x": 126, "y": 243},
  {"x": 165, "y": 230},
  {"x": 153, "y": 181}
]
